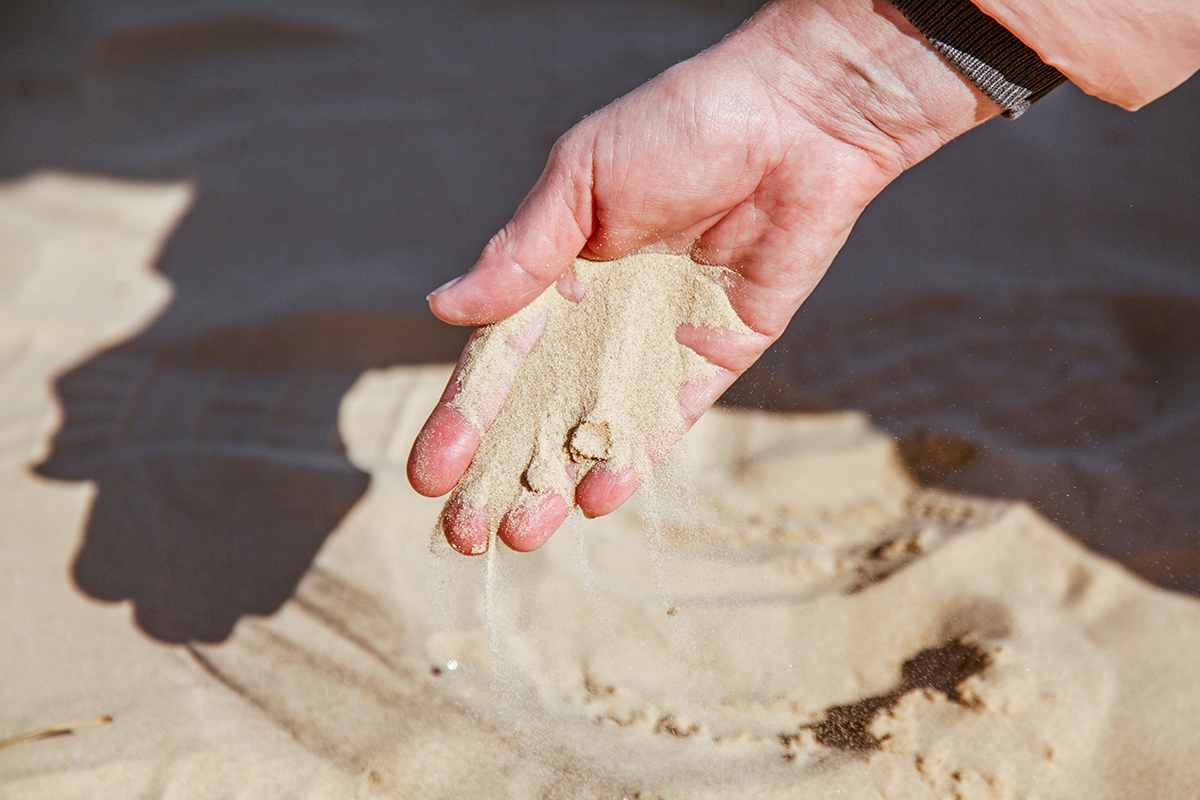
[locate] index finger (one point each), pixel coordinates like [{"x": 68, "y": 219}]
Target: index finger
[{"x": 446, "y": 444}]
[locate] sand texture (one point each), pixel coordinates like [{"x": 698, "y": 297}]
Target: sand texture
[
  {"x": 600, "y": 384},
  {"x": 917, "y": 579},
  {"x": 785, "y": 611}
]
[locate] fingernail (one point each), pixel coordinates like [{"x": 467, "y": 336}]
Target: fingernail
[{"x": 444, "y": 287}]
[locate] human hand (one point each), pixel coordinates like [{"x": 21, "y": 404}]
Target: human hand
[{"x": 757, "y": 155}]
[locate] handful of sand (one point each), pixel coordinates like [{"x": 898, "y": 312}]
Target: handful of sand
[{"x": 601, "y": 384}]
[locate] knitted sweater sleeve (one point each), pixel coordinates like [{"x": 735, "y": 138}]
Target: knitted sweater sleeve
[
  {"x": 1127, "y": 52},
  {"x": 1004, "y": 68}
]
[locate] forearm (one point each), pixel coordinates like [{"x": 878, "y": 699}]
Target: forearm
[{"x": 1127, "y": 52}]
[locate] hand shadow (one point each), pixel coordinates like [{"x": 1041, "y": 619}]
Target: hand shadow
[{"x": 218, "y": 465}]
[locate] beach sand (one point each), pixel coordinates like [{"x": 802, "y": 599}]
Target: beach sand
[
  {"x": 214, "y": 358},
  {"x": 783, "y": 609}
]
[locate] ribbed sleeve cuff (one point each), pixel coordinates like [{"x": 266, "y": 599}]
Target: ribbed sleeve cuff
[{"x": 988, "y": 54}]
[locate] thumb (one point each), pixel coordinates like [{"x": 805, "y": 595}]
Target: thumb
[{"x": 534, "y": 248}]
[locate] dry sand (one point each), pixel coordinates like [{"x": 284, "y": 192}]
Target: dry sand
[
  {"x": 784, "y": 614},
  {"x": 205, "y": 530},
  {"x": 601, "y": 383}
]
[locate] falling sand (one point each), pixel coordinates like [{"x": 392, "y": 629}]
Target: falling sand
[{"x": 601, "y": 383}]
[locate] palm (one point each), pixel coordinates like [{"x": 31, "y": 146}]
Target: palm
[{"x": 709, "y": 158}]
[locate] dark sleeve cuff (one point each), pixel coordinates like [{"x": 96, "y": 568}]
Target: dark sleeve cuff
[{"x": 987, "y": 53}]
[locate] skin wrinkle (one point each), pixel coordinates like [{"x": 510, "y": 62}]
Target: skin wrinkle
[
  {"x": 799, "y": 208},
  {"x": 672, "y": 137},
  {"x": 905, "y": 160},
  {"x": 754, "y": 128},
  {"x": 772, "y": 332},
  {"x": 598, "y": 243},
  {"x": 891, "y": 161},
  {"x": 760, "y": 132},
  {"x": 909, "y": 97},
  {"x": 505, "y": 250},
  {"x": 701, "y": 112},
  {"x": 901, "y": 91},
  {"x": 698, "y": 108},
  {"x": 500, "y": 247},
  {"x": 789, "y": 297},
  {"x": 751, "y": 202},
  {"x": 586, "y": 212},
  {"x": 583, "y": 207},
  {"x": 606, "y": 229},
  {"x": 530, "y": 276}
]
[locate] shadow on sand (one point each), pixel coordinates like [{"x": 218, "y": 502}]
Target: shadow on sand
[
  {"x": 347, "y": 158},
  {"x": 218, "y": 465}
]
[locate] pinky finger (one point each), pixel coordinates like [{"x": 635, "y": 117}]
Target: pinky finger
[{"x": 465, "y": 527}]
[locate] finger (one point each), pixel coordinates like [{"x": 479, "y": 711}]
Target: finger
[
  {"x": 542, "y": 239},
  {"x": 698, "y": 396},
  {"x": 532, "y": 522},
  {"x": 465, "y": 527},
  {"x": 446, "y": 444},
  {"x": 443, "y": 449},
  {"x": 603, "y": 489},
  {"x": 731, "y": 350}
]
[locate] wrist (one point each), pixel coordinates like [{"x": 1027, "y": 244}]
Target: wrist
[{"x": 861, "y": 73}]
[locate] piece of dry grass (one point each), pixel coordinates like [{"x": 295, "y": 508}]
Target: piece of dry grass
[{"x": 56, "y": 730}]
